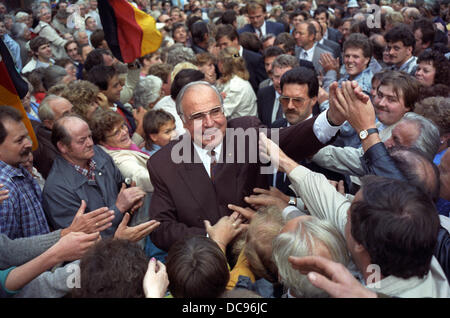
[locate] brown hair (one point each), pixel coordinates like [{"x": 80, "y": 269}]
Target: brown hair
[
  {"x": 264, "y": 227},
  {"x": 82, "y": 95},
  {"x": 112, "y": 268},
  {"x": 197, "y": 268},
  {"x": 102, "y": 122},
  {"x": 233, "y": 64}
]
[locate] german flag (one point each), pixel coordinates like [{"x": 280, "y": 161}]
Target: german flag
[
  {"x": 13, "y": 88},
  {"x": 129, "y": 32}
]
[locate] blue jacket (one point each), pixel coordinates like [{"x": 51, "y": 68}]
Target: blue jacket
[{"x": 271, "y": 27}]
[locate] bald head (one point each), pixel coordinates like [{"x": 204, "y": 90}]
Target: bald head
[
  {"x": 410, "y": 15},
  {"x": 417, "y": 169}
]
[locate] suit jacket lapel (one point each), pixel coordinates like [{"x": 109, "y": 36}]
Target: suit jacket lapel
[{"x": 203, "y": 192}]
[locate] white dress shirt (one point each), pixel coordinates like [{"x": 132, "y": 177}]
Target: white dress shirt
[{"x": 205, "y": 157}]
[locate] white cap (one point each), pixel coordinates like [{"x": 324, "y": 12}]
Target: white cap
[{"x": 353, "y": 4}]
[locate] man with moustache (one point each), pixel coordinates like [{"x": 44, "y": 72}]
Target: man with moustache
[
  {"x": 22, "y": 214},
  {"x": 197, "y": 176}
]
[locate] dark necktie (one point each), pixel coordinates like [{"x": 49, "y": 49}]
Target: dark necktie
[
  {"x": 259, "y": 33},
  {"x": 279, "y": 182},
  {"x": 212, "y": 166},
  {"x": 279, "y": 111}
]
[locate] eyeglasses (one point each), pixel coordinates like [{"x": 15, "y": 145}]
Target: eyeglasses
[
  {"x": 296, "y": 101},
  {"x": 118, "y": 130},
  {"x": 213, "y": 113}
]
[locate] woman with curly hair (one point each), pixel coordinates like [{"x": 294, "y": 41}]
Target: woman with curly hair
[
  {"x": 240, "y": 99},
  {"x": 83, "y": 96},
  {"x": 433, "y": 68}
]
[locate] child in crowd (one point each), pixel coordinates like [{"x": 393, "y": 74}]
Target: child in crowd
[{"x": 159, "y": 129}]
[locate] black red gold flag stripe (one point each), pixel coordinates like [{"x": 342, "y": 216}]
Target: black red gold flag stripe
[
  {"x": 129, "y": 32},
  {"x": 13, "y": 88}
]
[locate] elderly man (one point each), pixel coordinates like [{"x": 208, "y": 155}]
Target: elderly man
[
  {"x": 51, "y": 109},
  {"x": 396, "y": 95},
  {"x": 22, "y": 214},
  {"x": 45, "y": 29},
  {"x": 85, "y": 172},
  {"x": 201, "y": 185},
  {"x": 402, "y": 270},
  {"x": 306, "y": 236}
]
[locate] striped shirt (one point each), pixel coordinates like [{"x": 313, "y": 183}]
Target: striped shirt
[{"x": 21, "y": 215}]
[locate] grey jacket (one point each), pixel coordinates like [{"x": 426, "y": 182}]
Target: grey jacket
[
  {"x": 65, "y": 188},
  {"x": 19, "y": 251},
  {"x": 318, "y": 51}
]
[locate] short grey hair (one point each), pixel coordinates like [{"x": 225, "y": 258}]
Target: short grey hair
[
  {"x": 77, "y": 33},
  {"x": 178, "y": 102},
  {"x": 302, "y": 242},
  {"x": 147, "y": 90},
  {"x": 45, "y": 112},
  {"x": 428, "y": 140},
  {"x": 20, "y": 16},
  {"x": 178, "y": 53},
  {"x": 53, "y": 74},
  {"x": 285, "y": 60},
  {"x": 18, "y": 29}
]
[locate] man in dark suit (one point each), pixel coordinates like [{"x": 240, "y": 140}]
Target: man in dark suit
[
  {"x": 227, "y": 36},
  {"x": 331, "y": 46},
  {"x": 197, "y": 176},
  {"x": 322, "y": 16},
  {"x": 307, "y": 48},
  {"x": 269, "y": 109},
  {"x": 258, "y": 24},
  {"x": 300, "y": 89}
]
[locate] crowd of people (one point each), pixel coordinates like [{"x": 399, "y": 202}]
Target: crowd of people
[{"x": 267, "y": 149}]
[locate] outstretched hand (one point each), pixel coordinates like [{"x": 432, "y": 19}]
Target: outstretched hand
[
  {"x": 356, "y": 106},
  {"x": 95, "y": 221},
  {"x": 134, "y": 233},
  {"x": 270, "y": 151},
  {"x": 225, "y": 230},
  {"x": 334, "y": 278}
]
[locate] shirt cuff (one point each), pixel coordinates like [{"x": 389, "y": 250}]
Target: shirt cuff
[
  {"x": 323, "y": 129},
  {"x": 291, "y": 212}
]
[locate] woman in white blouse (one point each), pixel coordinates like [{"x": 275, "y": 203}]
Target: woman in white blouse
[{"x": 239, "y": 97}]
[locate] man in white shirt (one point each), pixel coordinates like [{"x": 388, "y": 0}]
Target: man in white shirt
[{"x": 191, "y": 187}]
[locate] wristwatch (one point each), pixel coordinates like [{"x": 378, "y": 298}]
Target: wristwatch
[
  {"x": 363, "y": 134},
  {"x": 292, "y": 201}
]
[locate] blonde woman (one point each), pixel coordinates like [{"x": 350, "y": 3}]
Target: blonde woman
[{"x": 239, "y": 97}]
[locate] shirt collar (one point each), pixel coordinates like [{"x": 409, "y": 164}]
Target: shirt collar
[
  {"x": 11, "y": 171},
  {"x": 311, "y": 50},
  {"x": 404, "y": 66},
  {"x": 203, "y": 152}
]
